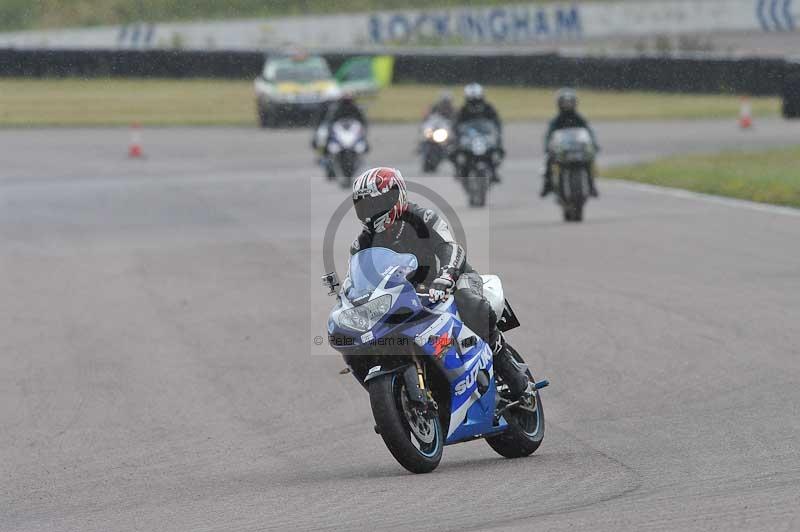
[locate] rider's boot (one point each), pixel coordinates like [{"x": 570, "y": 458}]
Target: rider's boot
[{"x": 509, "y": 370}]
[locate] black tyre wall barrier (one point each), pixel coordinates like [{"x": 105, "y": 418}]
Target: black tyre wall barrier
[
  {"x": 756, "y": 76},
  {"x": 791, "y": 91}
]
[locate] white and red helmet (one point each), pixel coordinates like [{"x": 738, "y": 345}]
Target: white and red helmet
[{"x": 379, "y": 197}]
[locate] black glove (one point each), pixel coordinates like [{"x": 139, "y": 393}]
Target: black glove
[{"x": 441, "y": 287}]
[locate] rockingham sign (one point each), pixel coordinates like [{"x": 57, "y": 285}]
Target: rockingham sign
[
  {"x": 508, "y": 24},
  {"x": 496, "y": 26}
]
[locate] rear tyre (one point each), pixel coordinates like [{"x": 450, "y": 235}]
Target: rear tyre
[
  {"x": 525, "y": 431},
  {"x": 415, "y": 441}
]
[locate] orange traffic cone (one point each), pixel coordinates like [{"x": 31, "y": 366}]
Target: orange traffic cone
[
  {"x": 135, "y": 148},
  {"x": 745, "y": 114}
]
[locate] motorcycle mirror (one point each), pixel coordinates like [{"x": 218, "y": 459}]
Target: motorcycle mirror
[{"x": 330, "y": 280}]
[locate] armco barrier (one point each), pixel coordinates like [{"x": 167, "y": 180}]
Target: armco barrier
[{"x": 756, "y": 76}]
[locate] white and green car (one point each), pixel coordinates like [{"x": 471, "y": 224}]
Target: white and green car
[{"x": 295, "y": 89}]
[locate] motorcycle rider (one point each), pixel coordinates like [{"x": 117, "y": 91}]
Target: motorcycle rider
[
  {"x": 391, "y": 221},
  {"x": 476, "y": 107},
  {"x": 344, "y": 107},
  {"x": 443, "y": 106},
  {"x": 568, "y": 117}
]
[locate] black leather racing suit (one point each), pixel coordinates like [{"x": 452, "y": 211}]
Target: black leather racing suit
[
  {"x": 444, "y": 108},
  {"x": 345, "y": 109},
  {"x": 337, "y": 111},
  {"x": 476, "y": 110},
  {"x": 564, "y": 120},
  {"x": 473, "y": 110},
  {"x": 426, "y": 235}
]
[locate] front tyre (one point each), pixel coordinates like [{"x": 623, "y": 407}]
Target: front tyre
[
  {"x": 525, "y": 428},
  {"x": 415, "y": 440}
]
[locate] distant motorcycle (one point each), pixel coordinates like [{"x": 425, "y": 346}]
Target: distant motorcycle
[
  {"x": 343, "y": 149},
  {"x": 572, "y": 154},
  {"x": 430, "y": 379},
  {"x": 436, "y": 141},
  {"x": 477, "y": 156}
]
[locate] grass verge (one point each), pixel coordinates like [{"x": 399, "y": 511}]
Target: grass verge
[
  {"x": 768, "y": 176},
  {"x": 109, "y": 102}
]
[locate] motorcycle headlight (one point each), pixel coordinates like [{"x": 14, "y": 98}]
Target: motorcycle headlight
[
  {"x": 334, "y": 147},
  {"x": 440, "y": 135},
  {"x": 364, "y": 317},
  {"x": 427, "y": 132}
]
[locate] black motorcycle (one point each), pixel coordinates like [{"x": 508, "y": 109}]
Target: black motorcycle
[
  {"x": 477, "y": 156},
  {"x": 436, "y": 141},
  {"x": 572, "y": 152}
]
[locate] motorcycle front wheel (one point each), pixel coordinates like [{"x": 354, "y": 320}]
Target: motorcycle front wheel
[
  {"x": 575, "y": 198},
  {"x": 415, "y": 440}
]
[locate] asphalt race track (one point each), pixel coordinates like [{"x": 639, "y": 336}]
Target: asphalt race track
[{"x": 158, "y": 370}]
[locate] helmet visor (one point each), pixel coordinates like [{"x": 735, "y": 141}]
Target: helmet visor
[{"x": 369, "y": 208}]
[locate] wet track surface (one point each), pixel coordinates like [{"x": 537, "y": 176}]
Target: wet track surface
[{"x": 157, "y": 367}]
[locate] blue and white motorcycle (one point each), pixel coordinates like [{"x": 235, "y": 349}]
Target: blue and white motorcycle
[{"x": 430, "y": 379}]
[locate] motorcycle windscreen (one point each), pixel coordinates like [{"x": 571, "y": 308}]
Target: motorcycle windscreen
[
  {"x": 571, "y": 138},
  {"x": 370, "y": 266},
  {"x": 481, "y": 126}
]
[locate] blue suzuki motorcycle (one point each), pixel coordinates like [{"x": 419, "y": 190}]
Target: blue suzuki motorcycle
[{"x": 430, "y": 379}]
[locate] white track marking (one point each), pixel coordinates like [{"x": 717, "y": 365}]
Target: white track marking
[{"x": 708, "y": 198}]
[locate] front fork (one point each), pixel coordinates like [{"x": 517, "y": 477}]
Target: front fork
[{"x": 414, "y": 377}]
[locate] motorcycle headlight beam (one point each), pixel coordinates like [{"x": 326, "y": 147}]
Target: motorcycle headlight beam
[
  {"x": 440, "y": 135},
  {"x": 364, "y": 317}
]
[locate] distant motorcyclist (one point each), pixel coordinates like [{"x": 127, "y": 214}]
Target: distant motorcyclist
[
  {"x": 443, "y": 106},
  {"x": 475, "y": 108},
  {"x": 391, "y": 221},
  {"x": 345, "y": 107},
  {"x": 568, "y": 117}
]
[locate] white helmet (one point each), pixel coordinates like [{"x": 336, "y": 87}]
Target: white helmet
[{"x": 473, "y": 91}]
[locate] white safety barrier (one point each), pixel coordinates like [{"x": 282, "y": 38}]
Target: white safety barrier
[{"x": 517, "y": 24}]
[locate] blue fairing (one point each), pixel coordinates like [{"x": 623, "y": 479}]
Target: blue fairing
[{"x": 435, "y": 330}]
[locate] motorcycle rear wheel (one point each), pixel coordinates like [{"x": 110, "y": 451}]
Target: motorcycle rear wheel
[
  {"x": 526, "y": 430},
  {"x": 393, "y": 418}
]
